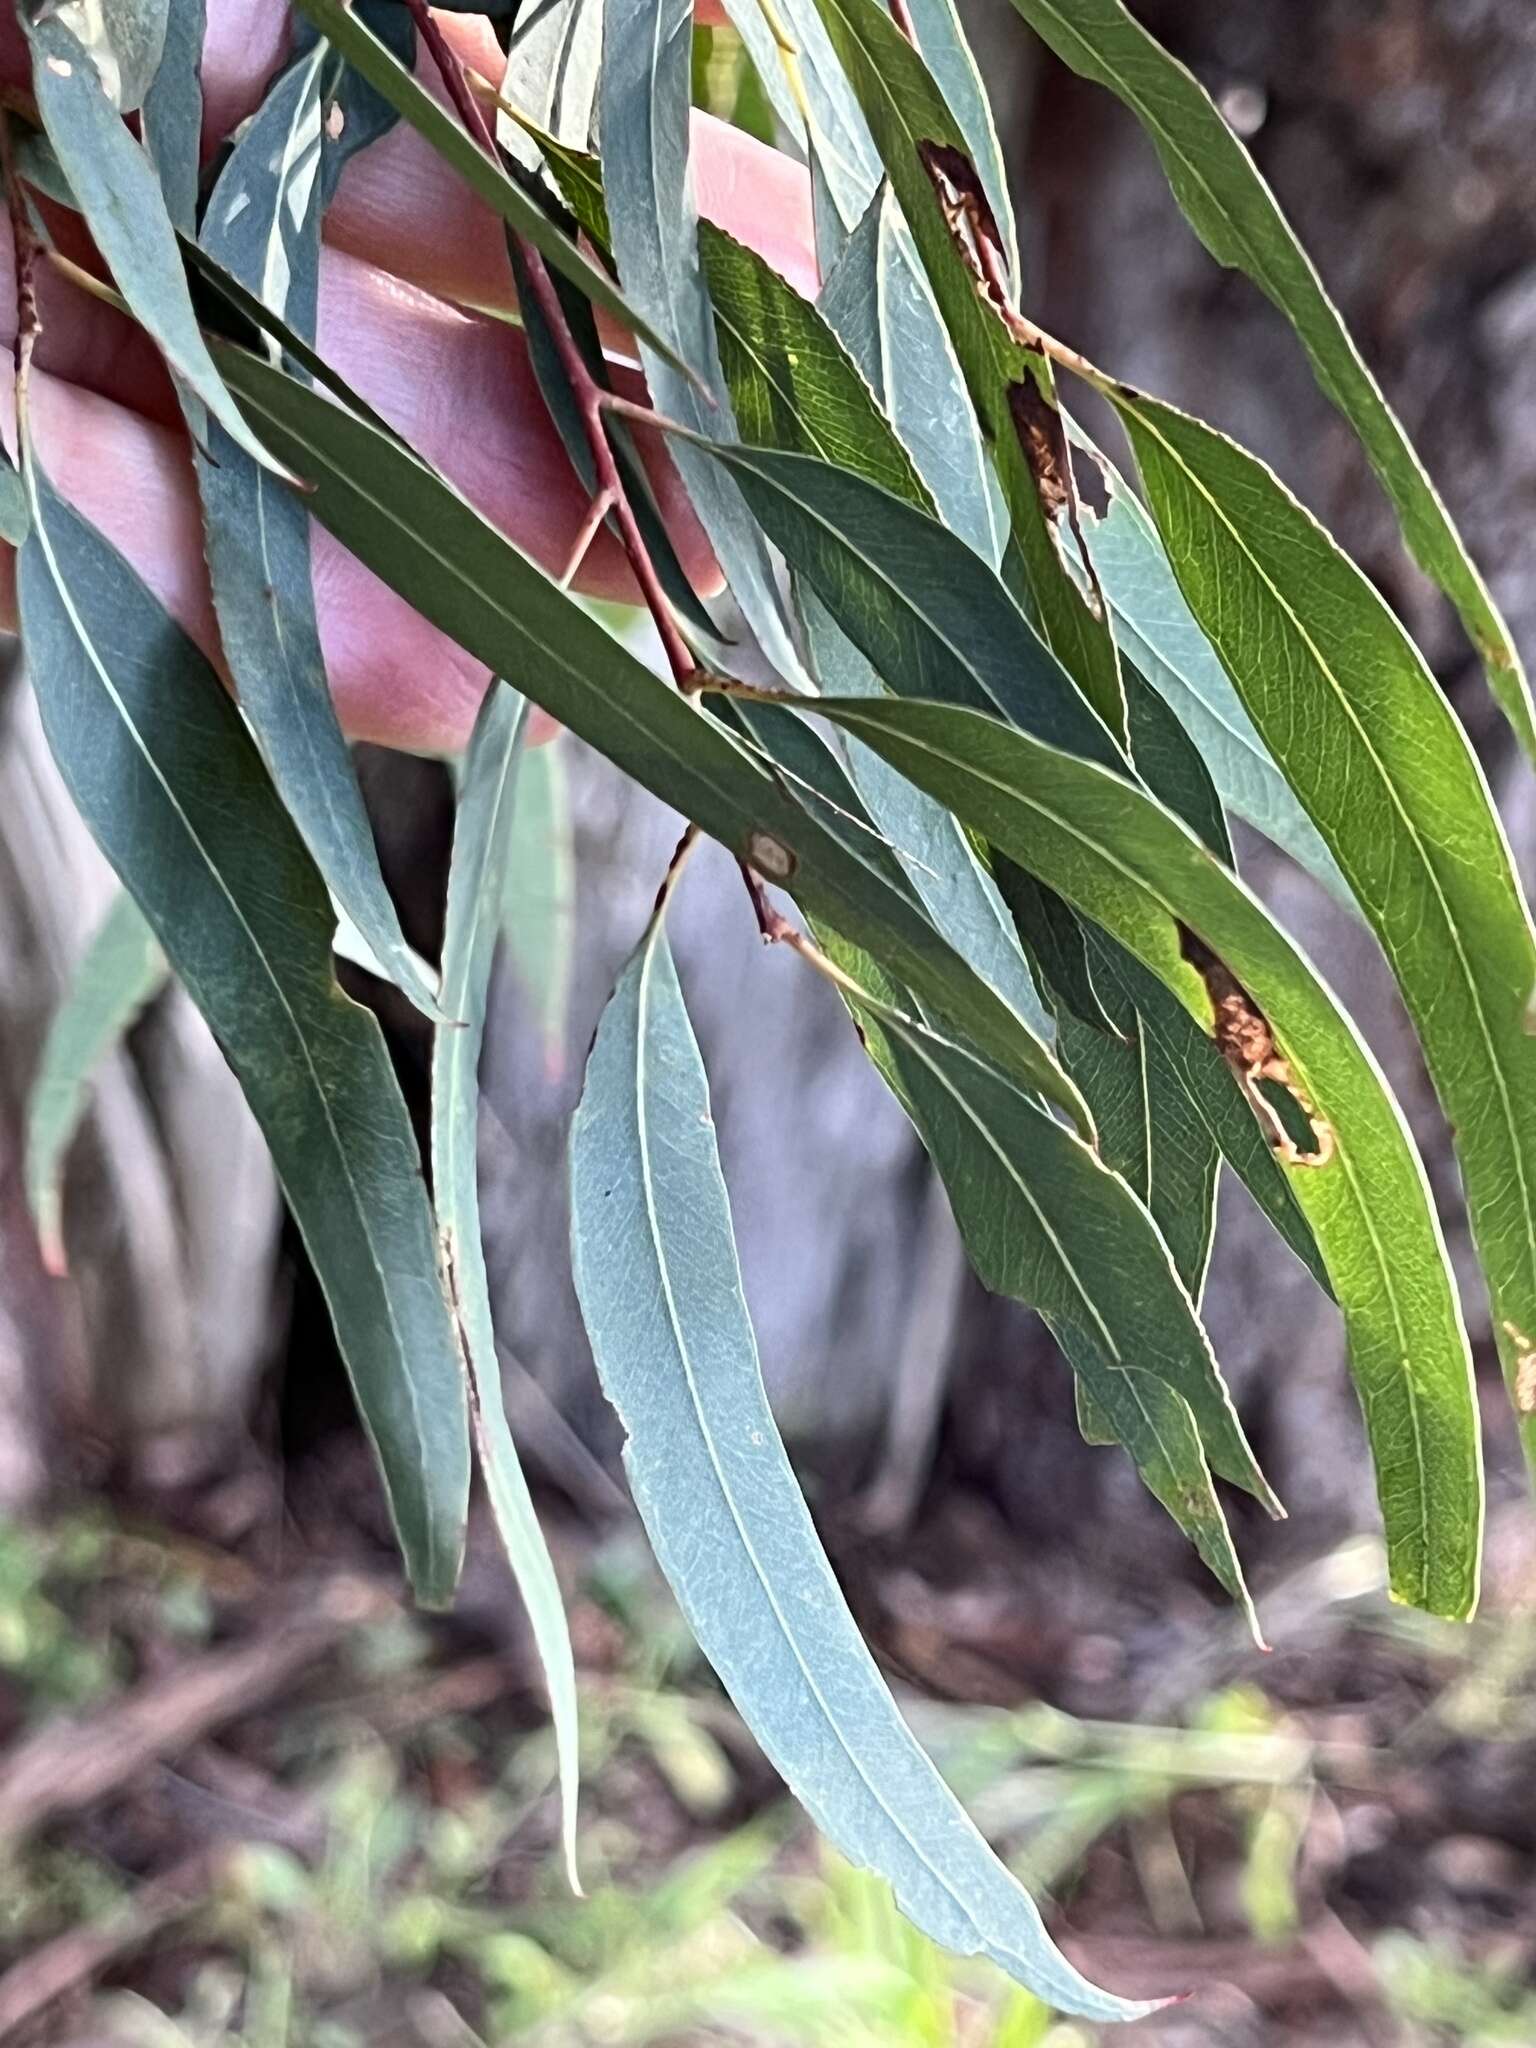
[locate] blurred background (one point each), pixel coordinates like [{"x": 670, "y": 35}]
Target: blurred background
[{"x": 247, "y": 1797}]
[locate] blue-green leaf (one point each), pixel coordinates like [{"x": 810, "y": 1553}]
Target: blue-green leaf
[
  {"x": 121, "y": 969},
  {"x": 643, "y": 107},
  {"x": 171, "y": 118},
  {"x": 165, "y": 775},
  {"x": 263, "y": 225},
  {"x": 660, "y": 1290},
  {"x": 123, "y": 39},
  {"x": 482, "y": 842},
  {"x": 538, "y": 896},
  {"x": 116, "y": 188}
]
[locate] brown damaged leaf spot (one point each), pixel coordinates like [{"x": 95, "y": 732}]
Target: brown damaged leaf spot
[
  {"x": 970, "y": 219},
  {"x": 773, "y": 860},
  {"x": 1044, "y": 441},
  {"x": 1525, "y": 1370},
  {"x": 1247, "y": 1043}
]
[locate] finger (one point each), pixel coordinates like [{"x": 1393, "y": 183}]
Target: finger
[
  {"x": 401, "y": 208},
  {"x": 462, "y": 392}
]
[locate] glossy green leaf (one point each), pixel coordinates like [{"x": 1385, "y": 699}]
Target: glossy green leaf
[
  {"x": 643, "y": 115},
  {"x": 1344, "y": 701},
  {"x": 1046, "y": 1222},
  {"x": 414, "y": 530},
  {"x": 163, "y": 772},
  {"x": 954, "y": 69},
  {"x": 121, "y": 969},
  {"x": 262, "y": 224},
  {"x": 1160, "y": 637},
  {"x": 482, "y": 845},
  {"x": 171, "y": 118},
  {"x": 942, "y": 865},
  {"x": 878, "y": 302},
  {"x": 908, "y": 119},
  {"x": 1235, "y": 214},
  {"x": 793, "y": 385},
  {"x": 660, "y": 1291},
  {"x": 1125, "y": 862},
  {"x": 538, "y": 896},
  {"x": 927, "y": 614},
  {"x": 377, "y": 64},
  {"x": 116, "y": 188}
]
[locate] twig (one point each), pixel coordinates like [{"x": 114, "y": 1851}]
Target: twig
[{"x": 592, "y": 401}]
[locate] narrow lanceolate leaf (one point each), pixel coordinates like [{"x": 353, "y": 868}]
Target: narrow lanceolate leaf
[
  {"x": 811, "y": 96},
  {"x": 482, "y": 842},
  {"x": 643, "y": 111},
  {"x": 929, "y": 615},
  {"x": 1235, "y": 214},
  {"x": 161, "y": 768},
  {"x": 1047, "y": 1223},
  {"x": 123, "y": 39},
  {"x": 263, "y": 225},
  {"x": 171, "y": 118},
  {"x": 410, "y": 527},
  {"x": 950, "y": 59},
  {"x": 942, "y": 865},
  {"x": 926, "y": 157},
  {"x": 115, "y": 186},
  {"x": 120, "y": 971},
  {"x": 660, "y": 1291},
  {"x": 1126, "y": 863},
  {"x": 551, "y": 76},
  {"x": 377, "y": 64},
  {"x": 538, "y": 897},
  {"x": 877, "y": 300},
  {"x": 1161, "y": 638},
  {"x": 1344, "y": 701},
  {"x": 793, "y": 385}
]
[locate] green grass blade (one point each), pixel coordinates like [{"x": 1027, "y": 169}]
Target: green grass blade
[
  {"x": 660, "y": 1291},
  {"x": 482, "y": 838},
  {"x": 1236, "y": 216},
  {"x": 1346, "y": 704},
  {"x": 1127, "y": 864}
]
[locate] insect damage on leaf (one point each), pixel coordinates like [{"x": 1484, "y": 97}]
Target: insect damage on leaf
[
  {"x": 771, "y": 857},
  {"x": 1525, "y": 1370},
  {"x": 1247, "y": 1043},
  {"x": 972, "y": 224}
]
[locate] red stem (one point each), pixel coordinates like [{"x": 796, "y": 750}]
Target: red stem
[{"x": 591, "y": 398}]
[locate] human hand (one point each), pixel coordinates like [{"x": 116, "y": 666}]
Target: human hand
[{"x": 405, "y": 245}]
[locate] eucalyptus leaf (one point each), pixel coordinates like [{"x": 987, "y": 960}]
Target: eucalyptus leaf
[
  {"x": 1123, "y": 861},
  {"x": 171, "y": 117},
  {"x": 553, "y": 58},
  {"x": 377, "y": 64},
  {"x": 1236, "y": 216},
  {"x": 1161, "y": 637},
  {"x": 1345, "y": 702},
  {"x": 660, "y": 1291},
  {"x": 263, "y": 225},
  {"x": 413, "y": 529},
  {"x": 643, "y": 111},
  {"x": 923, "y": 147},
  {"x": 538, "y": 896},
  {"x": 482, "y": 845},
  {"x": 123, "y": 39},
  {"x": 121, "y": 970},
  {"x": 877, "y": 300},
  {"x": 117, "y": 190},
  {"x": 162, "y": 770}
]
